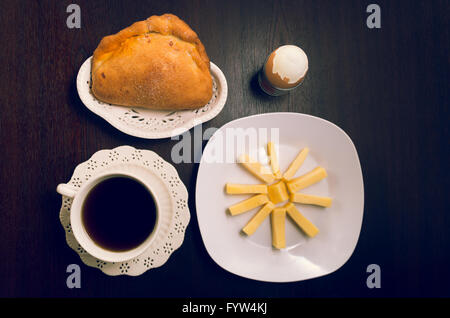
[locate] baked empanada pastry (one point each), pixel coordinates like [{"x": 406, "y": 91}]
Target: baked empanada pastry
[{"x": 159, "y": 63}]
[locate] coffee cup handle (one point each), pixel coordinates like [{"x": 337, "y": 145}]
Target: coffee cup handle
[{"x": 65, "y": 190}]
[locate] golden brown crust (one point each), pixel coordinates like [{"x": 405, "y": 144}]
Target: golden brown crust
[{"x": 159, "y": 63}]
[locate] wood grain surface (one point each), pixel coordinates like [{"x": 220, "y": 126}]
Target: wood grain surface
[{"x": 387, "y": 88}]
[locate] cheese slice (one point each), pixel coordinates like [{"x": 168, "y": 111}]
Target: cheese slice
[
  {"x": 278, "y": 192},
  {"x": 271, "y": 151},
  {"x": 278, "y": 217},
  {"x": 310, "y": 199},
  {"x": 258, "y": 218},
  {"x": 306, "y": 180},
  {"x": 233, "y": 188},
  {"x": 257, "y": 169},
  {"x": 296, "y": 164},
  {"x": 310, "y": 229},
  {"x": 248, "y": 204}
]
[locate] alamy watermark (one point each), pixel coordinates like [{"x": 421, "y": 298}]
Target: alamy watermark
[
  {"x": 226, "y": 145},
  {"x": 73, "y": 21},
  {"x": 374, "y": 279},
  {"x": 74, "y": 279},
  {"x": 373, "y": 21}
]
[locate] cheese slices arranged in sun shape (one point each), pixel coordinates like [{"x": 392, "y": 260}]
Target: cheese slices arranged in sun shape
[{"x": 278, "y": 189}]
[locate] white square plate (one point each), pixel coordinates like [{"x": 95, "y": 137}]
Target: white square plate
[{"x": 303, "y": 258}]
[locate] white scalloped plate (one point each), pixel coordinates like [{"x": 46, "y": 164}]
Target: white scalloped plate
[
  {"x": 165, "y": 182},
  {"x": 147, "y": 123},
  {"x": 303, "y": 258}
]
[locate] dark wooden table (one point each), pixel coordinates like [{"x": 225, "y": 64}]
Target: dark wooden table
[{"x": 387, "y": 88}]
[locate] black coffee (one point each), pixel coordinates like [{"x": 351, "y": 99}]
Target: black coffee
[{"x": 119, "y": 213}]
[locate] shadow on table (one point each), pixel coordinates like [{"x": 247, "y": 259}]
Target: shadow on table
[
  {"x": 256, "y": 91},
  {"x": 75, "y": 103}
]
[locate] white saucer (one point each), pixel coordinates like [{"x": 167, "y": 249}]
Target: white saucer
[
  {"x": 304, "y": 258},
  {"x": 147, "y": 123},
  {"x": 166, "y": 184}
]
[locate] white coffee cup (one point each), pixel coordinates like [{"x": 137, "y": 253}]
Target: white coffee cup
[{"x": 81, "y": 235}]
